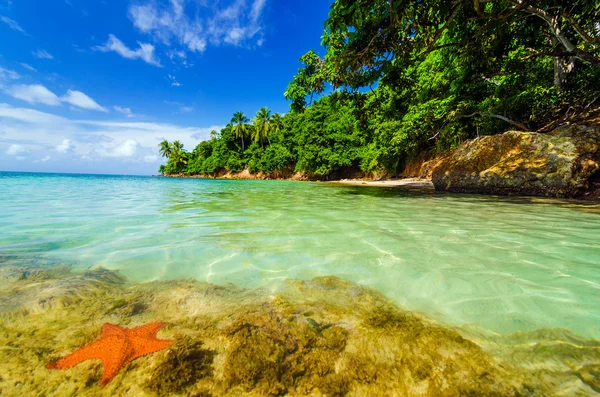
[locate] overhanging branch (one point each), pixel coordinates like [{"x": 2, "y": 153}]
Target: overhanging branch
[
  {"x": 580, "y": 31},
  {"x": 496, "y": 116},
  {"x": 557, "y": 32},
  {"x": 441, "y": 30}
]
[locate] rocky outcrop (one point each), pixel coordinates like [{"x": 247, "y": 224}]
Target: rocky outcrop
[
  {"x": 562, "y": 163},
  {"x": 422, "y": 166}
]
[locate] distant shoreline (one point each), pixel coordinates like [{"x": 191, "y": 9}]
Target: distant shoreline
[{"x": 403, "y": 183}]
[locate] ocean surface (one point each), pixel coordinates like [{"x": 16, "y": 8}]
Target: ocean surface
[{"x": 500, "y": 264}]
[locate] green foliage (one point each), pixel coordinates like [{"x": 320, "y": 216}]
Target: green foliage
[
  {"x": 310, "y": 80},
  {"x": 406, "y": 77},
  {"x": 177, "y": 157},
  {"x": 165, "y": 148},
  {"x": 262, "y": 125},
  {"x": 327, "y": 137},
  {"x": 240, "y": 129}
]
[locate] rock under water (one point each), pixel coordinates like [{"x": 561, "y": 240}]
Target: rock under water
[
  {"x": 562, "y": 163},
  {"x": 323, "y": 337}
]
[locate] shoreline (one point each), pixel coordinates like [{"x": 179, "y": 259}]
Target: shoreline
[
  {"x": 404, "y": 183},
  {"x": 408, "y": 183},
  {"x": 562, "y": 163}
]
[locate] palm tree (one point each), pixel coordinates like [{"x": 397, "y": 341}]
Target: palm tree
[
  {"x": 180, "y": 160},
  {"x": 239, "y": 129},
  {"x": 177, "y": 147},
  {"x": 276, "y": 123},
  {"x": 262, "y": 125},
  {"x": 165, "y": 148}
]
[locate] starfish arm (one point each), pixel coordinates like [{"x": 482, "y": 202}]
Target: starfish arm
[
  {"x": 91, "y": 351},
  {"x": 115, "y": 356},
  {"x": 110, "y": 371},
  {"x": 109, "y": 330},
  {"x": 146, "y": 331},
  {"x": 143, "y": 347}
]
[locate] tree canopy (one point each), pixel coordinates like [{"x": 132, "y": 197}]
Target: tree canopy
[{"x": 398, "y": 77}]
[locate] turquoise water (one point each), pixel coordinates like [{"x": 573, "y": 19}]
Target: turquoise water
[{"x": 496, "y": 263}]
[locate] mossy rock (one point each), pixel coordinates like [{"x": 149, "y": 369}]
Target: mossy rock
[
  {"x": 561, "y": 163},
  {"x": 185, "y": 364},
  {"x": 324, "y": 337}
]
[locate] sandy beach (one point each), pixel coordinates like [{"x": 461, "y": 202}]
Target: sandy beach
[{"x": 408, "y": 183}]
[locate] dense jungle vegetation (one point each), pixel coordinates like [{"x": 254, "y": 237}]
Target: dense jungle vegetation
[{"x": 399, "y": 77}]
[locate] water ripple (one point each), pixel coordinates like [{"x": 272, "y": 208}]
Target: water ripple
[{"x": 498, "y": 263}]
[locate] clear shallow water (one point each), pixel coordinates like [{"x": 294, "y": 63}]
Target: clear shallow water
[{"x": 500, "y": 264}]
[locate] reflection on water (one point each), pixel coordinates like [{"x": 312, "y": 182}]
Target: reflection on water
[{"x": 498, "y": 264}]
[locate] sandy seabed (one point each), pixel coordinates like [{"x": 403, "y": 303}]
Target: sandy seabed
[{"x": 323, "y": 337}]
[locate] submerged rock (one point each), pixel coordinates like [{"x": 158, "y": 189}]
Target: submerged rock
[
  {"x": 325, "y": 337},
  {"x": 562, "y": 163}
]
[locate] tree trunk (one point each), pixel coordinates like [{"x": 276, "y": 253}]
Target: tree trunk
[
  {"x": 559, "y": 64},
  {"x": 553, "y": 22},
  {"x": 559, "y": 75}
]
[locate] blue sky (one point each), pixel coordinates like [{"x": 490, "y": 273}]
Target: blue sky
[{"x": 92, "y": 86}]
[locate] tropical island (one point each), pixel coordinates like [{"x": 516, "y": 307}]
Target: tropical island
[
  {"x": 130, "y": 285},
  {"x": 402, "y": 86}
]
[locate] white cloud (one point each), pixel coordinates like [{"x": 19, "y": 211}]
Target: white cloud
[
  {"x": 37, "y": 93},
  {"x": 145, "y": 52},
  {"x": 65, "y": 147},
  {"x": 177, "y": 54},
  {"x": 79, "y": 99},
  {"x": 167, "y": 24},
  {"x": 30, "y": 115},
  {"x": 235, "y": 24},
  {"x": 107, "y": 146},
  {"x": 28, "y": 67},
  {"x": 42, "y": 54},
  {"x": 126, "y": 111},
  {"x": 6, "y": 74},
  {"x": 174, "y": 82},
  {"x": 12, "y": 24},
  {"x": 34, "y": 94},
  {"x": 16, "y": 150},
  {"x": 179, "y": 58},
  {"x": 46, "y": 158},
  {"x": 125, "y": 149},
  {"x": 181, "y": 106},
  {"x": 257, "y": 9}
]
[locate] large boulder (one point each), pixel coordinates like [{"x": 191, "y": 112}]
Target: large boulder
[{"x": 562, "y": 163}]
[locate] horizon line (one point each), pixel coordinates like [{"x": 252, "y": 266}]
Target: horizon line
[{"x": 73, "y": 173}]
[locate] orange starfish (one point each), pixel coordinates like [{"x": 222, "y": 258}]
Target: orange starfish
[{"x": 116, "y": 347}]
